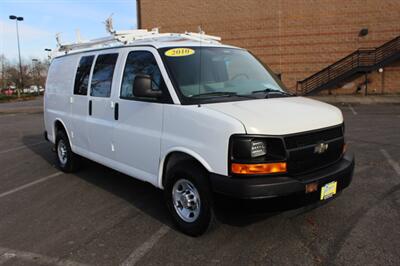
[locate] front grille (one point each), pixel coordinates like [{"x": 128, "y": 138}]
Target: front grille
[{"x": 300, "y": 147}]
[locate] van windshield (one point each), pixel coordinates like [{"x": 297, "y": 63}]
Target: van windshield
[{"x": 221, "y": 74}]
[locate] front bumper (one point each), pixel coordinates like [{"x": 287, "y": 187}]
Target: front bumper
[{"x": 276, "y": 186}]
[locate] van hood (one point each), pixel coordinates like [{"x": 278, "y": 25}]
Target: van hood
[{"x": 280, "y": 116}]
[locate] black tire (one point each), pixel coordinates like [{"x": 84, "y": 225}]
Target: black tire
[
  {"x": 198, "y": 177},
  {"x": 69, "y": 163}
]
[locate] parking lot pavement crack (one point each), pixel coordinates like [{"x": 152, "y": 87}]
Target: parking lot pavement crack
[{"x": 308, "y": 243}]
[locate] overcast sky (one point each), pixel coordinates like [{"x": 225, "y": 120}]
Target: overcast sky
[{"x": 44, "y": 18}]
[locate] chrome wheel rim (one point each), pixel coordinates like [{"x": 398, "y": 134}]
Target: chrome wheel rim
[
  {"x": 62, "y": 152},
  {"x": 186, "y": 200}
]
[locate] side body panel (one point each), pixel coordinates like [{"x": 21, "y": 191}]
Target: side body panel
[{"x": 58, "y": 93}]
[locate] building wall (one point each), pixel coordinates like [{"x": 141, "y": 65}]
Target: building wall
[{"x": 294, "y": 37}]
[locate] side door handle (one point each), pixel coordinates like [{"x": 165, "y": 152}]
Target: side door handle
[
  {"x": 116, "y": 111},
  {"x": 90, "y": 107}
]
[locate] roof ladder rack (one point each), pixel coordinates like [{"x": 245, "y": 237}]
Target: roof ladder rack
[{"x": 129, "y": 37}]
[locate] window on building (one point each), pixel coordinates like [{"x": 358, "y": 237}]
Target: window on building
[
  {"x": 140, "y": 62},
  {"x": 102, "y": 75},
  {"x": 82, "y": 75}
]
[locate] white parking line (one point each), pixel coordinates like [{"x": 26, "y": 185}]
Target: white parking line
[
  {"x": 138, "y": 253},
  {"x": 7, "y": 254},
  {"x": 352, "y": 110},
  {"x": 392, "y": 162},
  {"x": 22, "y": 147},
  {"x": 30, "y": 184}
]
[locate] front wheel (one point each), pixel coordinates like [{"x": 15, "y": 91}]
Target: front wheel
[{"x": 189, "y": 198}]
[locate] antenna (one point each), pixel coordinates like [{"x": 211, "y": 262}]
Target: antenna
[
  {"x": 200, "y": 30},
  {"x": 58, "y": 39},
  {"x": 78, "y": 36}
]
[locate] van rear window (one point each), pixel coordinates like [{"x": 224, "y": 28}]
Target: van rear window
[
  {"x": 102, "y": 75},
  {"x": 82, "y": 75}
]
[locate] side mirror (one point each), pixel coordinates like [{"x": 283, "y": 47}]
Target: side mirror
[{"x": 143, "y": 87}]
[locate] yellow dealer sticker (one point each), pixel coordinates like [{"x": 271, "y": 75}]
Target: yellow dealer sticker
[{"x": 179, "y": 52}]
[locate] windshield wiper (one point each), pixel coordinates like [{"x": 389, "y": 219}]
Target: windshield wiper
[
  {"x": 267, "y": 91},
  {"x": 222, "y": 94}
]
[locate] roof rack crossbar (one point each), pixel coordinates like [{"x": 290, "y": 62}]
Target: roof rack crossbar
[{"x": 202, "y": 36}]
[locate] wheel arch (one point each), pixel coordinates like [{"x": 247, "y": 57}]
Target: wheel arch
[
  {"x": 60, "y": 125},
  {"x": 175, "y": 155}
]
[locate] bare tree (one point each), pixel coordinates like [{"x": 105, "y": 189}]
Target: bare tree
[
  {"x": 3, "y": 64},
  {"x": 33, "y": 73}
]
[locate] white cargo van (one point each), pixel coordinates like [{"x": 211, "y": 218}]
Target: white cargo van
[{"x": 193, "y": 117}]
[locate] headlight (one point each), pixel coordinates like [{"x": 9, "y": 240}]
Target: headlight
[
  {"x": 258, "y": 148},
  {"x": 256, "y": 155},
  {"x": 248, "y": 148},
  {"x": 245, "y": 148}
]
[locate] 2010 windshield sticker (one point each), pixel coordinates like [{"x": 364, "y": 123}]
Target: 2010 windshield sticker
[{"x": 176, "y": 52}]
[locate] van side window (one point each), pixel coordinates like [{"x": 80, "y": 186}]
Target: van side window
[
  {"x": 102, "y": 75},
  {"x": 140, "y": 62},
  {"x": 82, "y": 75}
]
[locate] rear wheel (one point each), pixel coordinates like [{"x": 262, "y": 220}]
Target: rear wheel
[
  {"x": 67, "y": 160},
  {"x": 189, "y": 198}
]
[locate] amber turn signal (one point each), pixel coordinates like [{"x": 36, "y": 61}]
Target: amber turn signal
[{"x": 260, "y": 168}]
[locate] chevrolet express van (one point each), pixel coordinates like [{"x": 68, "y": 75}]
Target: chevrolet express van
[{"x": 193, "y": 117}]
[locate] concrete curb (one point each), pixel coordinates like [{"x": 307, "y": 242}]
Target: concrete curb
[{"x": 28, "y": 110}]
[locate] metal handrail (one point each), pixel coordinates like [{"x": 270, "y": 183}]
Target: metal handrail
[{"x": 363, "y": 58}]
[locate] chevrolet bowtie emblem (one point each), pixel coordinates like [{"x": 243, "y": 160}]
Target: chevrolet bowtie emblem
[{"x": 321, "y": 148}]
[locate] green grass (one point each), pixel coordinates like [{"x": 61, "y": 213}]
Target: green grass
[{"x": 5, "y": 98}]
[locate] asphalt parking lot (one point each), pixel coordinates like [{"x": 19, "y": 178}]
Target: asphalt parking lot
[{"x": 101, "y": 217}]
